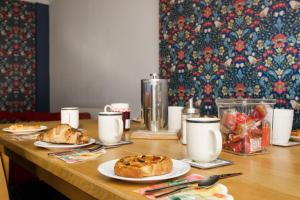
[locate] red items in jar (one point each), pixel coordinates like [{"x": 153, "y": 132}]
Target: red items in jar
[
  {"x": 229, "y": 120},
  {"x": 242, "y": 126},
  {"x": 245, "y": 132},
  {"x": 259, "y": 112}
]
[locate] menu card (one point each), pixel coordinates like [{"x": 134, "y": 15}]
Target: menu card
[
  {"x": 79, "y": 155},
  {"x": 216, "y": 192}
]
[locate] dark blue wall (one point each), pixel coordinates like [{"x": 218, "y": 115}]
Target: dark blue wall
[{"x": 42, "y": 58}]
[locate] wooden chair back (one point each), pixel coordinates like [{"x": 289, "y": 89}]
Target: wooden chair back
[{"x": 3, "y": 185}]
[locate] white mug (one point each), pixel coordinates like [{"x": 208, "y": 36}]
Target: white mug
[
  {"x": 282, "y": 126},
  {"x": 204, "y": 139},
  {"x": 110, "y": 127},
  {"x": 70, "y": 115},
  {"x": 174, "y": 118}
]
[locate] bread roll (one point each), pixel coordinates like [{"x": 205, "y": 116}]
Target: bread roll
[
  {"x": 143, "y": 166},
  {"x": 64, "y": 134}
]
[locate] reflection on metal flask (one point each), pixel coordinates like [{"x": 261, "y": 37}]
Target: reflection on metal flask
[{"x": 155, "y": 102}]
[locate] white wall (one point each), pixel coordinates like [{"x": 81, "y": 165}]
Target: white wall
[{"x": 100, "y": 50}]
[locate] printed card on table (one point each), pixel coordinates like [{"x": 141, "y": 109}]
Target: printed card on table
[{"x": 80, "y": 155}]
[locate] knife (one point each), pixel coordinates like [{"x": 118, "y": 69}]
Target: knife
[{"x": 220, "y": 176}]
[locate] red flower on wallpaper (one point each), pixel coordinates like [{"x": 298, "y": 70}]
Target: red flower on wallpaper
[
  {"x": 281, "y": 101},
  {"x": 207, "y": 12},
  {"x": 262, "y": 68},
  {"x": 180, "y": 21},
  {"x": 239, "y": 2},
  {"x": 208, "y": 53},
  {"x": 240, "y": 90},
  {"x": 292, "y": 50},
  {"x": 279, "y": 40},
  {"x": 181, "y": 90},
  {"x": 240, "y": 45},
  {"x": 279, "y": 87},
  {"x": 207, "y": 89},
  {"x": 181, "y": 55}
]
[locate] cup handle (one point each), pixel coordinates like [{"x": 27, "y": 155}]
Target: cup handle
[
  {"x": 120, "y": 126},
  {"x": 106, "y": 107},
  {"x": 218, "y": 139}
]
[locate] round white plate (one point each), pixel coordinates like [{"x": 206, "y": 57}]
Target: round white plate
[
  {"x": 61, "y": 146},
  {"x": 24, "y": 132},
  {"x": 179, "y": 168}
]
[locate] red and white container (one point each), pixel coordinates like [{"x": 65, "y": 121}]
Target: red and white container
[
  {"x": 246, "y": 124},
  {"x": 124, "y": 108}
]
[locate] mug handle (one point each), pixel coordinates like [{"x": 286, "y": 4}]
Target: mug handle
[
  {"x": 106, "y": 107},
  {"x": 120, "y": 126},
  {"x": 218, "y": 139}
]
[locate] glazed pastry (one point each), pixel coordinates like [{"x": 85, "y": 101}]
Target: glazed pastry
[
  {"x": 22, "y": 127},
  {"x": 64, "y": 134},
  {"x": 143, "y": 166}
]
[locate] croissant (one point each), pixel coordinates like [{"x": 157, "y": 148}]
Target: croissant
[{"x": 64, "y": 134}]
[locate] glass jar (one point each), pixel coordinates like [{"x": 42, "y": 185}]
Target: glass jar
[{"x": 246, "y": 124}]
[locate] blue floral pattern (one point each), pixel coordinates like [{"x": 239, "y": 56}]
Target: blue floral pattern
[
  {"x": 17, "y": 56},
  {"x": 226, "y": 49}
]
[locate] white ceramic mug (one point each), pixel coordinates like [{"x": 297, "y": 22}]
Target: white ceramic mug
[
  {"x": 70, "y": 115},
  {"x": 121, "y": 107},
  {"x": 110, "y": 127},
  {"x": 282, "y": 126},
  {"x": 174, "y": 118},
  {"x": 204, "y": 139}
]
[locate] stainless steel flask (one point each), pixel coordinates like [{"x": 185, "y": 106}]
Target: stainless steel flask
[{"x": 155, "y": 102}]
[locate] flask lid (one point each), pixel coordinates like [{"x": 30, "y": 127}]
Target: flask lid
[
  {"x": 190, "y": 109},
  {"x": 154, "y": 76}
]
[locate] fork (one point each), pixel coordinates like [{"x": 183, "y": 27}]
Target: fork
[{"x": 89, "y": 149}]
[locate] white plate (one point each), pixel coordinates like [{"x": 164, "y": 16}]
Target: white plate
[
  {"x": 25, "y": 132},
  {"x": 289, "y": 144},
  {"x": 295, "y": 138},
  {"x": 61, "y": 146},
  {"x": 179, "y": 168}
]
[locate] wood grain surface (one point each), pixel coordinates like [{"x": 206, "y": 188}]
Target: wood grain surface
[{"x": 274, "y": 175}]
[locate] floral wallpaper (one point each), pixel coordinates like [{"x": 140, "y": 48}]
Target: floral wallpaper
[
  {"x": 17, "y": 56},
  {"x": 213, "y": 49}
]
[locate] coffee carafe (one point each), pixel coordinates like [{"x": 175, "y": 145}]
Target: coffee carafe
[{"x": 154, "y": 93}]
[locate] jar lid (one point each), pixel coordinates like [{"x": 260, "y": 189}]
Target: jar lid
[
  {"x": 190, "y": 109},
  {"x": 154, "y": 78}
]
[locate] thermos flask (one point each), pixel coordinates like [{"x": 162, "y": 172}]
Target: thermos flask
[{"x": 154, "y": 93}]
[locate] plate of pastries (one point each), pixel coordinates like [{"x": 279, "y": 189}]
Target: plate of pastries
[
  {"x": 23, "y": 129},
  {"x": 144, "y": 168},
  {"x": 63, "y": 136}
]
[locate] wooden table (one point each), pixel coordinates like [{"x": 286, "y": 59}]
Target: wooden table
[{"x": 275, "y": 175}]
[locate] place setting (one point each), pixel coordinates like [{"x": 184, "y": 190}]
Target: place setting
[
  {"x": 151, "y": 168},
  {"x": 21, "y": 132},
  {"x": 157, "y": 168}
]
